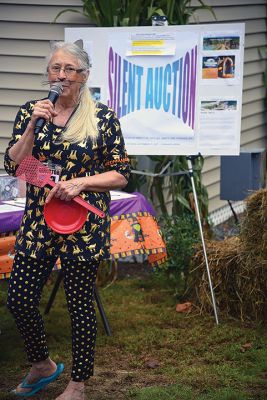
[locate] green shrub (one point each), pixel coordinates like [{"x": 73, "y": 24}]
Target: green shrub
[{"x": 180, "y": 233}]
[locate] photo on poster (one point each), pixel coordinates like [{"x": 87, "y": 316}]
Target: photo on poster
[
  {"x": 96, "y": 93},
  {"x": 218, "y": 105},
  {"x": 218, "y": 122},
  {"x": 221, "y": 43},
  {"x": 218, "y": 67}
]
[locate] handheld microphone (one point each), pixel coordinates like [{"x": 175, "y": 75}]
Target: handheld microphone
[{"x": 54, "y": 93}]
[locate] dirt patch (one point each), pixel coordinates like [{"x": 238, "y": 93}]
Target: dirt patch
[
  {"x": 117, "y": 372},
  {"x": 113, "y": 385}
]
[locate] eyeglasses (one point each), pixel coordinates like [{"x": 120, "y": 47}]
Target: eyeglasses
[{"x": 69, "y": 71}]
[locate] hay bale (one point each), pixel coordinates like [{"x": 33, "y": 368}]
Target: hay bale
[
  {"x": 223, "y": 257},
  {"x": 253, "y": 234},
  {"x": 252, "y": 283},
  {"x": 238, "y": 267}
]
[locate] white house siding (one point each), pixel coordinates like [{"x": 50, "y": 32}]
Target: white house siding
[
  {"x": 25, "y": 32},
  {"x": 254, "y": 121}
]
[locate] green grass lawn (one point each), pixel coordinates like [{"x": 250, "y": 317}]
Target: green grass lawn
[{"x": 154, "y": 352}]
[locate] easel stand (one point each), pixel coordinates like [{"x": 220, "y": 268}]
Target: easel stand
[
  {"x": 190, "y": 172},
  {"x": 191, "y": 175}
]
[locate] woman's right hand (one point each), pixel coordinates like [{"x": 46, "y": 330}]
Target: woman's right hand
[
  {"x": 23, "y": 147},
  {"x": 43, "y": 109}
]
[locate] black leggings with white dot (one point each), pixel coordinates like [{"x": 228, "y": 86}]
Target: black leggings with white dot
[{"x": 25, "y": 287}]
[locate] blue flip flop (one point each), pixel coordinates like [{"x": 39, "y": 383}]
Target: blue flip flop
[{"x": 39, "y": 384}]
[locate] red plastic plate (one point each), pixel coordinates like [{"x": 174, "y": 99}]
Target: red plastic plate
[{"x": 64, "y": 216}]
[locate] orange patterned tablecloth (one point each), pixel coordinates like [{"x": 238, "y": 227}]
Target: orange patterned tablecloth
[
  {"x": 132, "y": 233},
  {"x": 137, "y": 233}
]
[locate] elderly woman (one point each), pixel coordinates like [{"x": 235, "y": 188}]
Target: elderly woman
[{"x": 85, "y": 139}]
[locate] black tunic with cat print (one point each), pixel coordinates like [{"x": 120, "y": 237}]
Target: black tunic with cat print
[{"x": 35, "y": 238}]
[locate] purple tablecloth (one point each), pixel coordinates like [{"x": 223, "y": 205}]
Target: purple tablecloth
[
  {"x": 10, "y": 221},
  {"x": 131, "y": 205}
]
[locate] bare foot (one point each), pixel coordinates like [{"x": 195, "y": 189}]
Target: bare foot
[
  {"x": 38, "y": 370},
  {"x": 74, "y": 391}
]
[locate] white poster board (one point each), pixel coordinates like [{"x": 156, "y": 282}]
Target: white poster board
[{"x": 177, "y": 90}]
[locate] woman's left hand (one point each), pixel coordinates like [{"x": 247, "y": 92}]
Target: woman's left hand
[{"x": 66, "y": 190}]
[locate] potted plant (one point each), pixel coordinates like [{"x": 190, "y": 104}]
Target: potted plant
[{"x": 137, "y": 12}]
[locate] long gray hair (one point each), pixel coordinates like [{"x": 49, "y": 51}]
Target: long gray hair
[{"x": 83, "y": 124}]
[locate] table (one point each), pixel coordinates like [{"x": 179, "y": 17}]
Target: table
[{"x": 134, "y": 229}]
